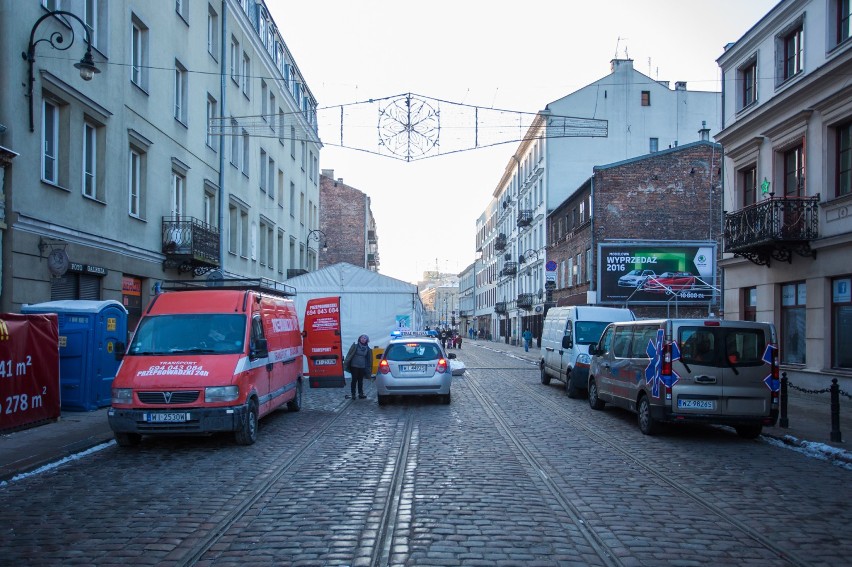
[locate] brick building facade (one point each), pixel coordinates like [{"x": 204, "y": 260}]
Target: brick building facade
[
  {"x": 671, "y": 195},
  {"x": 348, "y": 225}
]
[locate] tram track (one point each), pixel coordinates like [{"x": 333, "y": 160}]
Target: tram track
[{"x": 606, "y": 440}]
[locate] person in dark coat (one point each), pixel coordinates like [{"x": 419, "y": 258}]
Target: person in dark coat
[{"x": 359, "y": 362}]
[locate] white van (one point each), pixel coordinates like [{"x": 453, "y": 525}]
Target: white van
[{"x": 565, "y": 339}]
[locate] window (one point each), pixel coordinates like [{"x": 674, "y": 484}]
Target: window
[
  {"x": 245, "y": 75},
  {"x": 293, "y": 142},
  {"x": 280, "y": 251},
  {"x": 50, "y": 143},
  {"x": 245, "y": 161},
  {"x": 180, "y": 92},
  {"x": 211, "y": 116},
  {"x": 138, "y": 53},
  {"x": 793, "y": 301},
  {"x": 654, "y": 145},
  {"x": 271, "y": 110},
  {"x": 270, "y": 172},
  {"x": 135, "y": 182},
  {"x": 244, "y": 233},
  {"x": 292, "y": 199},
  {"x": 841, "y": 322},
  {"x": 262, "y": 174},
  {"x": 794, "y": 172},
  {"x": 233, "y": 223},
  {"x": 178, "y": 195},
  {"x": 747, "y": 84},
  {"x": 212, "y": 32},
  {"x": 280, "y": 189},
  {"x": 791, "y": 53},
  {"x": 843, "y": 183},
  {"x": 264, "y": 242},
  {"x": 235, "y": 57},
  {"x": 842, "y": 15},
  {"x": 749, "y": 303},
  {"x": 209, "y": 204},
  {"x": 235, "y": 144},
  {"x": 646, "y": 98},
  {"x": 304, "y": 155},
  {"x": 748, "y": 180},
  {"x": 270, "y": 246},
  {"x": 588, "y": 264},
  {"x": 281, "y": 126},
  {"x": 182, "y": 9},
  {"x": 571, "y": 271},
  {"x": 302, "y": 209},
  {"x": 90, "y": 160},
  {"x": 263, "y": 100}
]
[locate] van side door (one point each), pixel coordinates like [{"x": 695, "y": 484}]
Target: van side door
[
  {"x": 621, "y": 368},
  {"x": 261, "y": 368}
]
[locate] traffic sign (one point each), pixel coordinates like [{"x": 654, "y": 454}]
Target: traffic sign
[{"x": 550, "y": 266}]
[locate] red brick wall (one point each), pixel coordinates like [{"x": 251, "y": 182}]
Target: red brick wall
[{"x": 343, "y": 218}]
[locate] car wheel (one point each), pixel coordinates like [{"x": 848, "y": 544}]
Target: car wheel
[
  {"x": 594, "y": 402},
  {"x": 570, "y": 389},
  {"x": 383, "y": 400},
  {"x": 647, "y": 424},
  {"x": 247, "y": 433},
  {"x": 128, "y": 439},
  {"x": 296, "y": 403},
  {"x": 749, "y": 431},
  {"x": 446, "y": 398},
  {"x": 545, "y": 379}
]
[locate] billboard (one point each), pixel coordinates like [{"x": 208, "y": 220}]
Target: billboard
[{"x": 654, "y": 272}]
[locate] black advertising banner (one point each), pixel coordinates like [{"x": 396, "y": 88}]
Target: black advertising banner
[{"x": 657, "y": 272}]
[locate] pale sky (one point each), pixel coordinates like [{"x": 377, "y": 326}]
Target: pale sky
[{"x": 509, "y": 55}]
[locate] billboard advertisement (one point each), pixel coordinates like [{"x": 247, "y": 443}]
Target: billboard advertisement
[{"x": 657, "y": 272}]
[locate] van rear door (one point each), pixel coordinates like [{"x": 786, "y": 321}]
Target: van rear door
[
  {"x": 745, "y": 388},
  {"x": 698, "y": 363}
]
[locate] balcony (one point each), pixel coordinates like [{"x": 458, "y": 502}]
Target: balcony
[
  {"x": 500, "y": 307},
  {"x": 500, "y": 242},
  {"x": 190, "y": 245},
  {"x": 526, "y": 300},
  {"x": 295, "y": 272},
  {"x": 774, "y": 228},
  {"x": 373, "y": 259},
  {"x": 525, "y": 217},
  {"x": 509, "y": 269},
  {"x": 371, "y": 236}
]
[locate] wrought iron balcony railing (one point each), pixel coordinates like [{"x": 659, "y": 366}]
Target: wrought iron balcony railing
[
  {"x": 773, "y": 228},
  {"x": 500, "y": 242},
  {"x": 510, "y": 269},
  {"x": 500, "y": 307},
  {"x": 190, "y": 245},
  {"x": 371, "y": 236},
  {"x": 526, "y": 300},
  {"x": 525, "y": 217},
  {"x": 373, "y": 259}
]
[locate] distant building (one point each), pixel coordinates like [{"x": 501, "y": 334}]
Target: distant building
[
  {"x": 787, "y": 135},
  {"x": 347, "y": 224},
  {"x": 656, "y": 212},
  {"x": 641, "y": 116}
]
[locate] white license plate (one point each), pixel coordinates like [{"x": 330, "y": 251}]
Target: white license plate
[
  {"x": 412, "y": 367},
  {"x": 696, "y": 404},
  {"x": 325, "y": 361},
  {"x": 170, "y": 417}
]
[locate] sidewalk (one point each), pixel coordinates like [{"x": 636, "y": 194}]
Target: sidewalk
[
  {"x": 809, "y": 415},
  {"x": 23, "y": 451}
]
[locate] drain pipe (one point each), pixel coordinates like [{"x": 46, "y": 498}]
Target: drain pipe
[{"x": 222, "y": 92}]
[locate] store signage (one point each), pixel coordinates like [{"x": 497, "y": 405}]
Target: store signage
[{"x": 87, "y": 269}]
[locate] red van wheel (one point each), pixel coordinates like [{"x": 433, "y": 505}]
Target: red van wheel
[
  {"x": 296, "y": 403},
  {"x": 247, "y": 433}
]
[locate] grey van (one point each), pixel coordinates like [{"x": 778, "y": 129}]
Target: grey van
[{"x": 680, "y": 370}]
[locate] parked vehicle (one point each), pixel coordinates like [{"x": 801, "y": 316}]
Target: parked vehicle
[
  {"x": 635, "y": 278},
  {"x": 679, "y": 370},
  {"x": 566, "y": 335},
  {"x": 414, "y": 366},
  {"x": 669, "y": 282},
  {"x": 204, "y": 360}
]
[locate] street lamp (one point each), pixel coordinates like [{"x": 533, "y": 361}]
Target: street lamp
[
  {"x": 319, "y": 236},
  {"x": 86, "y": 66},
  {"x": 526, "y": 256}
]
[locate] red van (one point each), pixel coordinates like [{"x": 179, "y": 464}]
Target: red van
[{"x": 209, "y": 359}]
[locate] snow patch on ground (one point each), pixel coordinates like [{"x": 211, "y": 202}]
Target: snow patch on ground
[{"x": 59, "y": 463}]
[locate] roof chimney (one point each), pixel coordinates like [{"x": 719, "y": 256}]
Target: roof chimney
[
  {"x": 621, "y": 65},
  {"x": 704, "y": 133},
  {"x": 680, "y": 85}
]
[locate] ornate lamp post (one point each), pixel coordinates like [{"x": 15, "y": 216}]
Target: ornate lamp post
[
  {"x": 56, "y": 39},
  {"x": 319, "y": 236}
]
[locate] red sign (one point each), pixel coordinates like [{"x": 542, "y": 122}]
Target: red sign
[
  {"x": 29, "y": 369},
  {"x": 321, "y": 344}
]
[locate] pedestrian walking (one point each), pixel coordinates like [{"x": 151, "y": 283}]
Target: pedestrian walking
[
  {"x": 527, "y": 338},
  {"x": 458, "y": 341},
  {"x": 359, "y": 362}
]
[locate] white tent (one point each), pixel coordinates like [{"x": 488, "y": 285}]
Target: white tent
[{"x": 370, "y": 303}]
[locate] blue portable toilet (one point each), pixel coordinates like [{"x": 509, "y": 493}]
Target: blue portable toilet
[{"x": 88, "y": 334}]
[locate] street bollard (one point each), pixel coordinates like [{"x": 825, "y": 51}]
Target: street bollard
[
  {"x": 784, "y": 422},
  {"x": 835, "y": 412}
]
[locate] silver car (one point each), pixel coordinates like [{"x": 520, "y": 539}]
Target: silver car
[{"x": 414, "y": 366}]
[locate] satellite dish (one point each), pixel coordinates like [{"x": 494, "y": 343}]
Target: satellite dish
[{"x": 214, "y": 278}]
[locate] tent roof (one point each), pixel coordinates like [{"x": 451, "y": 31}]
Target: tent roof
[{"x": 344, "y": 277}]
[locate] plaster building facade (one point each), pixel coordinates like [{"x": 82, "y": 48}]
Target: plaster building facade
[
  {"x": 624, "y": 114},
  {"x": 652, "y": 213},
  {"x": 787, "y": 134},
  {"x": 193, "y": 151},
  {"x": 348, "y": 228}
]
